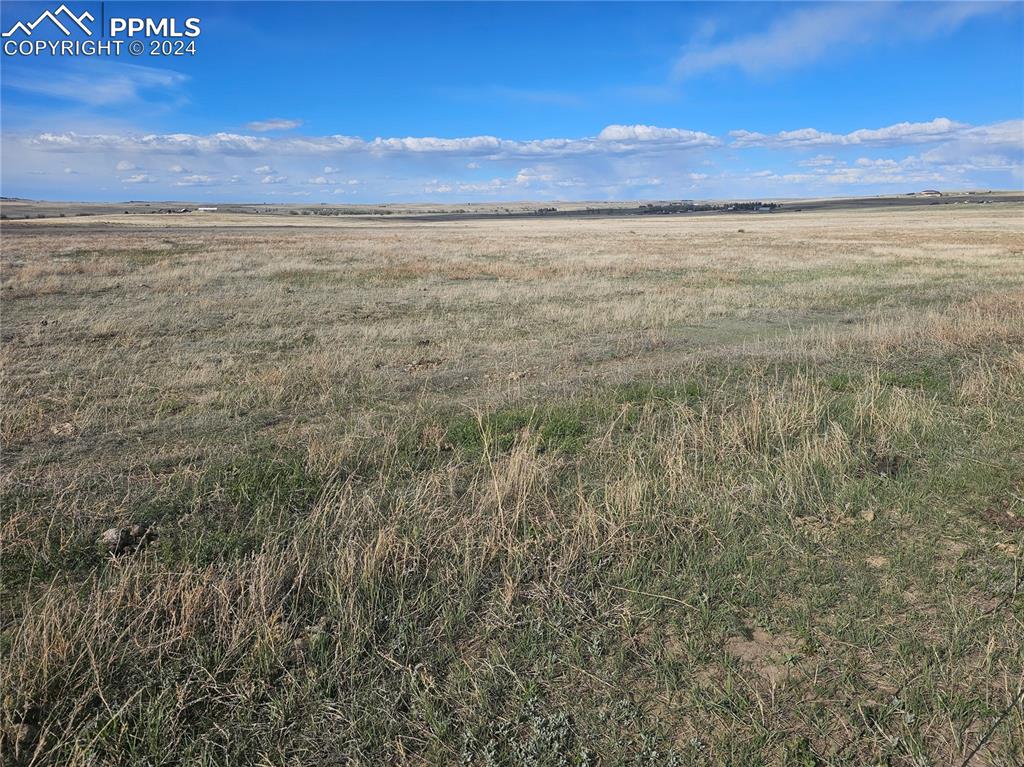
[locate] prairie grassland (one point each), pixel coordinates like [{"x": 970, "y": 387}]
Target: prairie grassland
[{"x": 725, "y": 490}]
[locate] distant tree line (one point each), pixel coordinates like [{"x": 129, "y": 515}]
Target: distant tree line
[{"x": 691, "y": 207}]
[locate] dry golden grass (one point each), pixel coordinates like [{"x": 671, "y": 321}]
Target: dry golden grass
[{"x": 516, "y": 492}]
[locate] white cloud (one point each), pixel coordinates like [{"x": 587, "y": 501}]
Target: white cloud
[
  {"x": 486, "y": 187},
  {"x": 883, "y": 172},
  {"x": 618, "y": 162},
  {"x": 124, "y": 165},
  {"x": 165, "y": 143},
  {"x": 351, "y": 185},
  {"x": 197, "y": 179},
  {"x": 865, "y": 162},
  {"x": 429, "y": 144},
  {"x": 613, "y": 140},
  {"x": 541, "y": 179},
  {"x": 818, "y": 161},
  {"x": 273, "y": 124},
  {"x": 649, "y": 133},
  {"x": 986, "y": 147},
  {"x": 629, "y": 183},
  {"x": 900, "y": 134},
  {"x": 908, "y": 133}
]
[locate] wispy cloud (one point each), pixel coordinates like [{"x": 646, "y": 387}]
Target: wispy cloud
[
  {"x": 197, "y": 179},
  {"x": 102, "y": 84},
  {"x": 805, "y": 36},
  {"x": 273, "y": 124}
]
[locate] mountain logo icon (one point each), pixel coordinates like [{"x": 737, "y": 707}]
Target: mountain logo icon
[{"x": 63, "y": 18}]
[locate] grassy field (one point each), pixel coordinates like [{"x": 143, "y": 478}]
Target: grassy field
[{"x": 732, "y": 490}]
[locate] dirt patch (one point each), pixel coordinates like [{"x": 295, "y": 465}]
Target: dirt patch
[
  {"x": 886, "y": 465},
  {"x": 768, "y": 654},
  {"x": 919, "y": 601},
  {"x": 1003, "y": 518},
  {"x": 422, "y": 364}
]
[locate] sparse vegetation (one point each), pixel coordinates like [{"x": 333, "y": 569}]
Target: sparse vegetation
[{"x": 512, "y": 492}]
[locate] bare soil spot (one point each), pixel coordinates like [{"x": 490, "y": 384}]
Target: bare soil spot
[
  {"x": 766, "y": 653},
  {"x": 1002, "y": 518}
]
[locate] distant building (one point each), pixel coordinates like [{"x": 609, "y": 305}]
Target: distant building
[
  {"x": 930, "y": 193},
  {"x": 206, "y": 210}
]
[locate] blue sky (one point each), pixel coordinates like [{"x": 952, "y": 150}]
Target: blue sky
[{"x": 370, "y": 102}]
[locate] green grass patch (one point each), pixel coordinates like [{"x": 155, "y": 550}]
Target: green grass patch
[
  {"x": 642, "y": 393},
  {"x": 932, "y": 380},
  {"x": 555, "y": 429}
]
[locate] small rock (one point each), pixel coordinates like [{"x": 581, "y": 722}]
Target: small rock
[
  {"x": 121, "y": 540},
  {"x": 115, "y": 540}
]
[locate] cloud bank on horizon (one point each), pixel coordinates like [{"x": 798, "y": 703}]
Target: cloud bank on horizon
[
  {"x": 641, "y": 157},
  {"x": 796, "y": 101}
]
